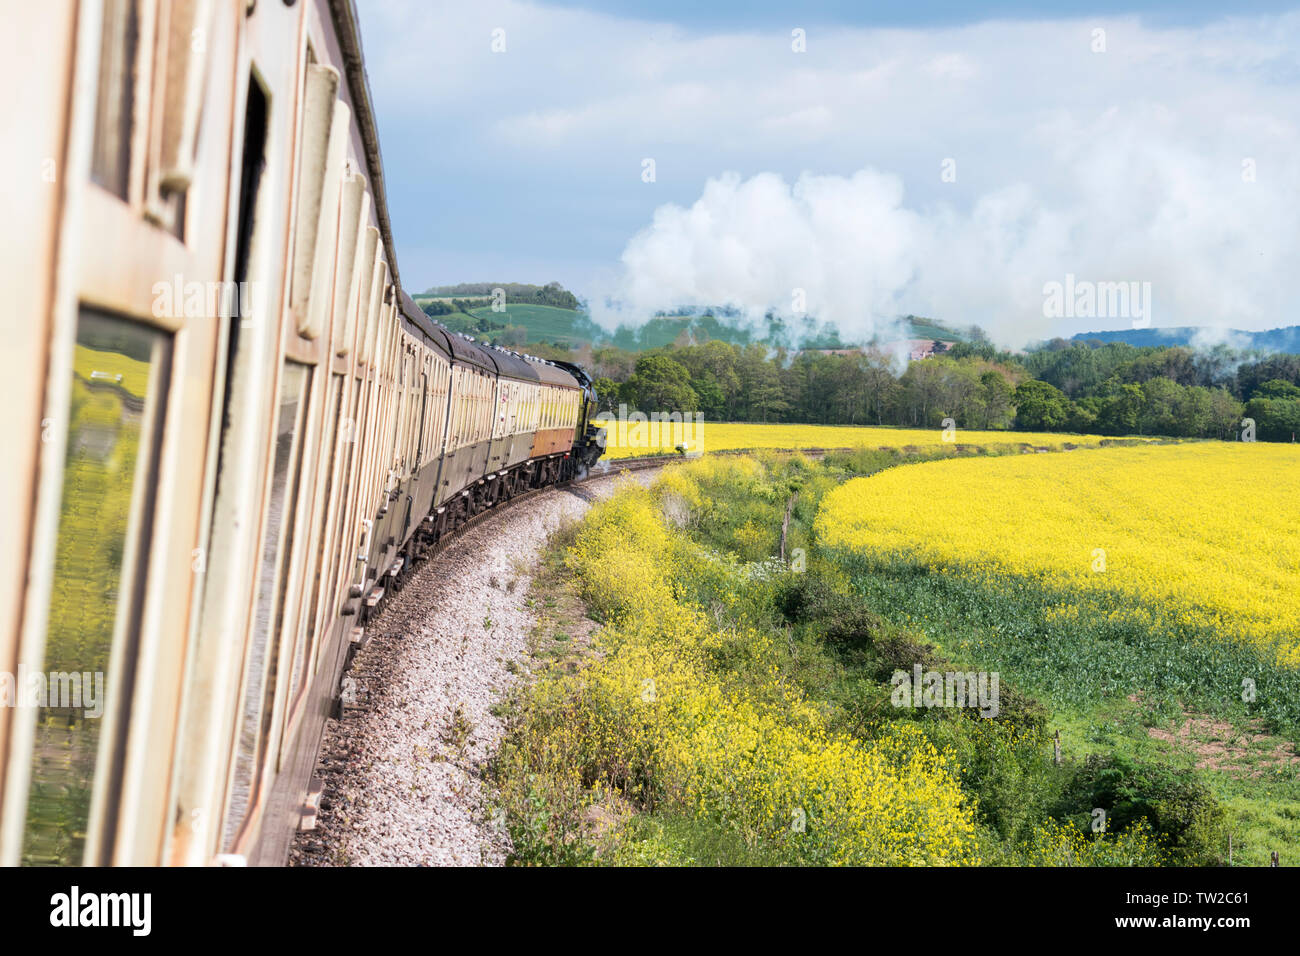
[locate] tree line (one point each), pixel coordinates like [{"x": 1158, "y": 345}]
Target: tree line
[
  {"x": 522, "y": 293},
  {"x": 1110, "y": 389}
]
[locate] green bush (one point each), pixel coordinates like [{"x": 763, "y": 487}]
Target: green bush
[
  {"x": 1018, "y": 709},
  {"x": 845, "y": 621},
  {"x": 1181, "y": 811},
  {"x": 1006, "y": 769}
]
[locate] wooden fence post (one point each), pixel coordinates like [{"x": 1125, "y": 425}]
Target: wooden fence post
[{"x": 785, "y": 525}]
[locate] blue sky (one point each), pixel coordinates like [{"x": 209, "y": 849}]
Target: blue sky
[
  {"x": 916, "y": 13},
  {"x": 927, "y": 157}
]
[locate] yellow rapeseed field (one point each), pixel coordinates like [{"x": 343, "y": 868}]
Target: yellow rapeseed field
[
  {"x": 653, "y": 713},
  {"x": 645, "y": 438},
  {"x": 1198, "y": 535}
]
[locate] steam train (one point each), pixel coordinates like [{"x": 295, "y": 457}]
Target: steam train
[{"x": 232, "y": 434}]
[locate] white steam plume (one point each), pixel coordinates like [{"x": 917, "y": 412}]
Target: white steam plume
[
  {"x": 829, "y": 247},
  {"x": 1218, "y": 250}
]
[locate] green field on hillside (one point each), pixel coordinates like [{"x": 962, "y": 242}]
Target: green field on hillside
[
  {"x": 924, "y": 329},
  {"x": 546, "y": 323},
  {"x": 567, "y": 327}
]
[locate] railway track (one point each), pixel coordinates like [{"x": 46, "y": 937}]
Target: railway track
[
  {"x": 608, "y": 468},
  {"x": 429, "y": 668},
  {"x": 375, "y": 606},
  {"x": 398, "y": 771}
]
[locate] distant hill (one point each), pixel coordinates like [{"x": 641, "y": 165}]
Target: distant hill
[
  {"x": 917, "y": 327},
  {"x": 464, "y": 308},
  {"x": 552, "y": 293},
  {"x": 1278, "y": 340},
  {"x": 573, "y": 328}
]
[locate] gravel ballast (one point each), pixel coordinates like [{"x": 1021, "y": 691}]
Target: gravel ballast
[{"x": 403, "y": 768}]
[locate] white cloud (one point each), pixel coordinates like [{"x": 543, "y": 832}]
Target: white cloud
[{"x": 1110, "y": 166}]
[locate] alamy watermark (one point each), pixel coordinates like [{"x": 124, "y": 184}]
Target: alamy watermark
[
  {"x": 179, "y": 299},
  {"x": 1085, "y": 299},
  {"x": 922, "y": 688},
  {"x": 74, "y": 908},
  {"x": 69, "y": 690},
  {"x": 655, "y": 430}
]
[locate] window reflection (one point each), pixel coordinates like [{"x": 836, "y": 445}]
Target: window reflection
[{"x": 117, "y": 370}]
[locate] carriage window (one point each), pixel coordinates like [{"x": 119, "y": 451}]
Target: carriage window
[
  {"x": 330, "y": 454},
  {"x": 259, "y": 682},
  {"x": 114, "y": 418},
  {"x": 422, "y": 427},
  {"x": 110, "y": 164},
  {"x": 340, "y": 566}
]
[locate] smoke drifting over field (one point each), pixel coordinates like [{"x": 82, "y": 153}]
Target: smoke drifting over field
[
  {"x": 1211, "y": 243},
  {"x": 825, "y": 246}
]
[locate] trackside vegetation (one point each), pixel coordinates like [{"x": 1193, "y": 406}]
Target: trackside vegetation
[{"x": 737, "y": 701}]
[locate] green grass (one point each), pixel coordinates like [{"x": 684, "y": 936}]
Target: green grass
[
  {"x": 678, "y": 840},
  {"x": 1087, "y": 662},
  {"x": 1263, "y": 804}
]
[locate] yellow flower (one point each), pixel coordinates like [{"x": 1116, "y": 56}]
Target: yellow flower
[
  {"x": 725, "y": 436},
  {"x": 1200, "y": 535}
]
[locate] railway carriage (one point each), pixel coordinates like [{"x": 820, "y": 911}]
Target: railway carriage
[{"x": 232, "y": 433}]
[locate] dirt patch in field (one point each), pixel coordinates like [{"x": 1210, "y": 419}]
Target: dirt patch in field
[{"x": 1218, "y": 745}]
